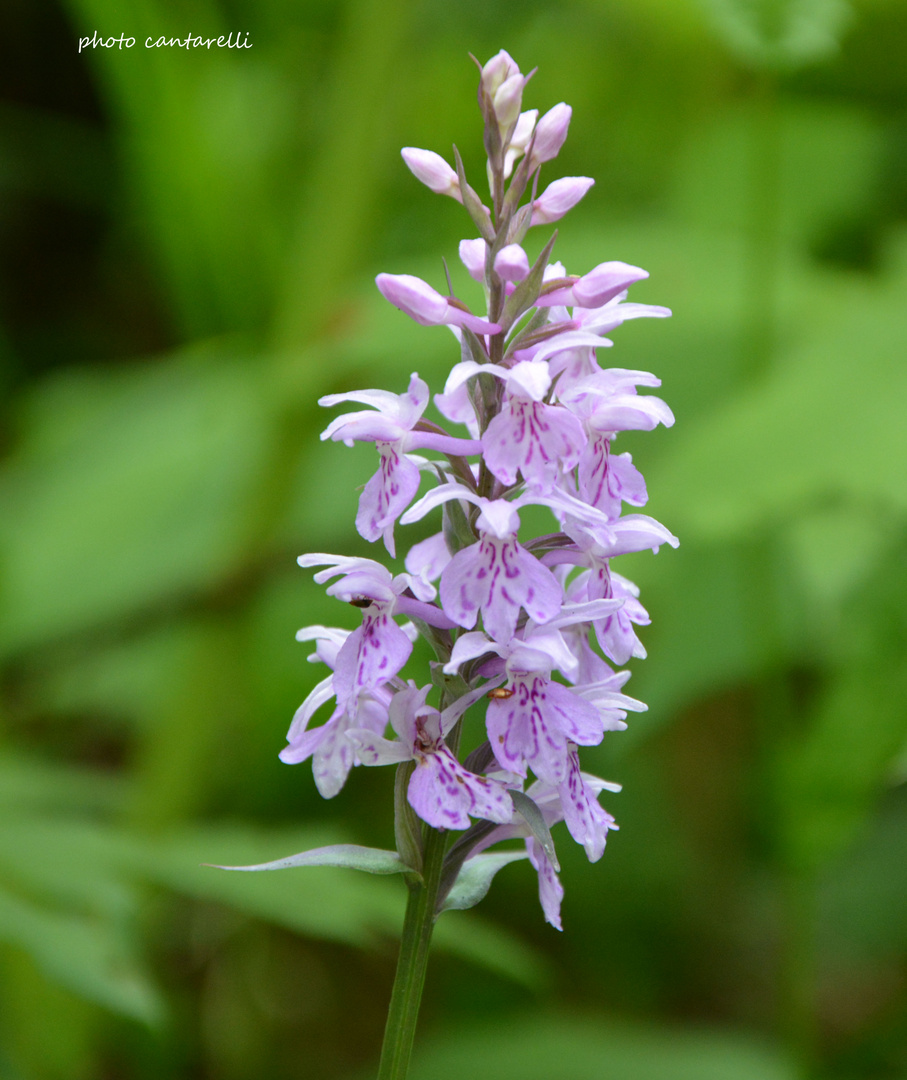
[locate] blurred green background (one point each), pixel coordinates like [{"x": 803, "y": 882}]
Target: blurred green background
[{"x": 188, "y": 246}]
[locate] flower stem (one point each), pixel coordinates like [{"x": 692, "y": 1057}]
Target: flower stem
[{"x": 412, "y": 962}]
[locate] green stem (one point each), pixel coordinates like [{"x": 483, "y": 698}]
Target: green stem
[{"x": 412, "y": 962}]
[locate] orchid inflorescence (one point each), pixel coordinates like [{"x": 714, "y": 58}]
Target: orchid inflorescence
[{"x": 538, "y": 415}]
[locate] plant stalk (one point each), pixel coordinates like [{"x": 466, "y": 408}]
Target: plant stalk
[{"x": 406, "y": 995}]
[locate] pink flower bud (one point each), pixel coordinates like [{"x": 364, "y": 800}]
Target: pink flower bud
[
  {"x": 550, "y": 134},
  {"x": 428, "y": 307},
  {"x": 558, "y": 198},
  {"x": 497, "y": 71},
  {"x": 519, "y": 140},
  {"x": 472, "y": 255},
  {"x": 502, "y": 84},
  {"x": 508, "y": 100},
  {"x": 511, "y": 263},
  {"x": 433, "y": 171},
  {"x": 607, "y": 280}
]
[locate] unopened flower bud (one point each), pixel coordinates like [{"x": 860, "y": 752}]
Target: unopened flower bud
[
  {"x": 427, "y": 306},
  {"x": 433, "y": 171},
  {"x": 508, "y": 100},
  {"x": 519, "y": 140},
  {"x": 502, "y": 87},
  {"x": 472, "y": 255},
  {"x": 550, "y": 134},
  {"x": 558, "y": 198},
  {"x": 606, "y": 281},
  {"x": 497, "y": 71},
  {"x": 511, "y": 263}
]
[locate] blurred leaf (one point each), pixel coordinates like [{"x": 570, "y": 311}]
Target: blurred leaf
[
  {"x": 830, "y": 165},
  {"x": 84, "y": 954},
  {"x": 862, "y": 895},
  {"x": 337, "y": 200},
  {"x": 781, "y": 33},
  {"x": 202, "y": 141},
  {"x": 829, "y": 777},
  {"x": 475, "y": 877},
  {"x": 834, "y": 549},
  {"x": 31, "y": 783},
  {"x": 717, "y": 621},
  {"x": 828, "y": 782},
  {"x": 64, "y": 902},
  {"x": 321, "y": 902},
  {"x": 779, "y": 448},
  {"x": 543, "y": 1047},
  {"x": 127, "y": 489},
  {"x": 65, "y": 861},
  {"x": 488, "y": 945}
]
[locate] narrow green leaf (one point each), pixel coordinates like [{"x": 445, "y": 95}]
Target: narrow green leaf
[
  {"x": 475, "y": 877},
  {"x": 407, "y": 828},
  {"x": 530, "y": 813},
  {"x": 527, "y": 291},
  {"x": 353, "y": 856}
]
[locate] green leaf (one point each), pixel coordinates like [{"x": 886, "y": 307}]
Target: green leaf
[
  {"x": 407, "y": 826},
  {"x": 828, "y": 781},
  {"x": 65, "y": 862},
  {"x": 542, "y": 1047},
  {"x": 28, "y": 782},
  {"x": 716, "y": 484},
  {"x": 530, "y": 813},
  {"x": 86, "y": 955},
  {"x": 781, "y": 33},
  {"x": 475, "y": 877},
  {"x": 325, "y": 902},
  {"x": 352, "y": 856},
  {"x": 148, "y": 475}
]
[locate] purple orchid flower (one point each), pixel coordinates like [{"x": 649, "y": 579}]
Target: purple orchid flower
[
  {"x": 373, "y": 654},
  {"x": 574, "y": 801},
  {"x": 333, "y": 755},
  {"x": 534, "y": 623},
  {"x": 520, "y": 139},
  {"x": 392, "y": 428},
  {"x": 533, "y": 725},
  {"x": 497, "y": 576},
  {"x": 441, "y": 790},
  {"x": 527, "y": 436},
  {"x": 595, "y": 546}
]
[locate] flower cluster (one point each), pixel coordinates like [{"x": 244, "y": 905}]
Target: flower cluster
[{"x": 528, "y": 625}]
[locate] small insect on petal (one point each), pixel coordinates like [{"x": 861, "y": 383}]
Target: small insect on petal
[
  {"x": 499, "y": 692},
  {"x": 362, "y": 601}
]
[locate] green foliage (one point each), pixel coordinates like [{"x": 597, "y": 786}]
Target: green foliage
[
  {"x": 62, "y": 899},
  {"x": 781, "y": 33},
  {"x": 534, "y": 1049},
  {"x": 205, "y": 234},
  {"x": 474, "y": 879}
]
